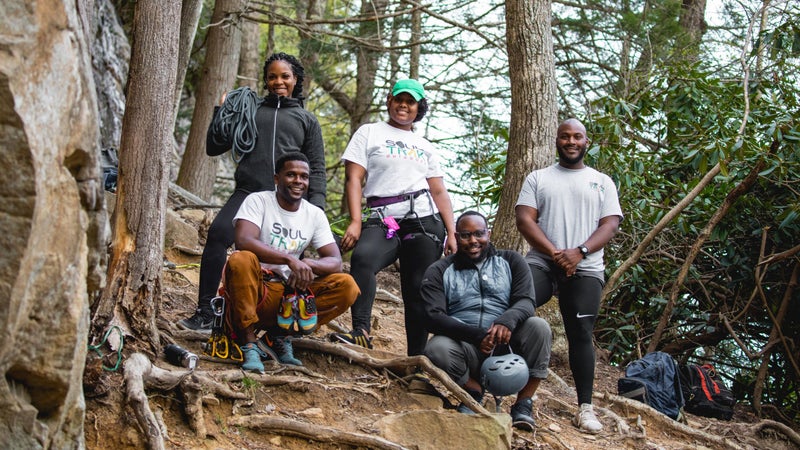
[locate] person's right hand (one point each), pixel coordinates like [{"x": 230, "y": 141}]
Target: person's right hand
[
  {"x": 487, "y": 344},
  {"x": 496, "y": 335},
  {"x": 351, "y": 236}
]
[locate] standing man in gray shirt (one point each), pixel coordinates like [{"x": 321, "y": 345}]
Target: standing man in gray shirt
[{"x": 568, "y": 212}]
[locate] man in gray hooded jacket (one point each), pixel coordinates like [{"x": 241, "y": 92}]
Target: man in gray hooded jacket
[{"x": 480, "y": 298}]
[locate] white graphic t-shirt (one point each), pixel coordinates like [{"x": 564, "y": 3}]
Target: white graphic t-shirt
[
  {"x": 286, "y": 231},
  {"x": 397, "y": 162}
]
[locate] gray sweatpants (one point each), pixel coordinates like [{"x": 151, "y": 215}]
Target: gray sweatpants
[{"x": 462, "y": 360}]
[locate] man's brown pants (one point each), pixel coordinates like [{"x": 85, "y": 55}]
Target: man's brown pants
[{"x": 254, "y": 301}]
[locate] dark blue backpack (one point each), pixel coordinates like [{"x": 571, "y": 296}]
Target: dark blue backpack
[{"x": 654, "y": 380}]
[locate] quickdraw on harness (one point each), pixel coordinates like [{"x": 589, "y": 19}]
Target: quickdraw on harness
[
  {"x": 297, "y": 311},
  {"x": 412, "y": 214},
  {"x": 220, "y": 345}
]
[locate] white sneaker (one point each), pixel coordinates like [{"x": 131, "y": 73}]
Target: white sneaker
[{"x": 586, "y": 420}]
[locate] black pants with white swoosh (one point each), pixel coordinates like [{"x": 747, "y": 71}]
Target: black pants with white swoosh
[{"x": 579, "y": 302}]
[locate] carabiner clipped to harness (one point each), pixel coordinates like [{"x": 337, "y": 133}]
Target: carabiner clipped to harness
[{"x": 220, "y": 345}]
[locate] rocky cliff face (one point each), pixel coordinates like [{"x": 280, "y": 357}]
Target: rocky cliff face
[{"x": 52, "y": 220}]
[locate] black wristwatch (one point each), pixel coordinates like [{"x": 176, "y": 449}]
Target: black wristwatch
[{"x": 584, "y": 250}]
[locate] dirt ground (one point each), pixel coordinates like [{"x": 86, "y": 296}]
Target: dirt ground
[{"x": 330, "y": 391}]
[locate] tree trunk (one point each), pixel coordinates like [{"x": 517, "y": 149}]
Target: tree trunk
[
  {"x": 198, "y": 171},
  {"x": 416, "y": 48},
  {"x": 367, "y": 60},
  {"x": 133, "y": 293},
  {"x": 309, "y": 10},
  {"x": 692, "y": 20},
  {"x": 190, "y": 17},
  {"x": 534, "y": 112},
  {"x": 250, "y": 59}
]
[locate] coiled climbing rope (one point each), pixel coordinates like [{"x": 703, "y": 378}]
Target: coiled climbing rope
[{"x": 235, "y": 122}]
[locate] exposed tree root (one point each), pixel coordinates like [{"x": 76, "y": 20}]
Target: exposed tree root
[
  {"x": 664, "y": 421},
  {"x": 407, "y": 363},
  {"x": 553, "y": 439},
  {"x": 269, "y": 379},
  {"x": 140, "y": 373},
  {"x": 386, "y": 296},
  {"x": 312, "y": 432},
  {"x": 764, "y": 424},
  {"x": 137, "y": 369}
]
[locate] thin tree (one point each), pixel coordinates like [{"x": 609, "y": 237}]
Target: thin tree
[
  {"x": 133, "y": 294},
  {"x": 190, "y": 17},
  {"x": 250, "y": 58},
  {"x": 534, "y": 112},
  {"x": 198, "y": 171}
]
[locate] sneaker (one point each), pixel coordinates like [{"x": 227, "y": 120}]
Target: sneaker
[
  {"x": 356, "y": 337},
  {"x": 463, "y": 408},
  {"x": 202, "y": 321},
  {"x": 586, "y": 421},
  {"x": 307, "y": 312},
  {"x": 252, "y": 358},
  {"x": 521, "y": 415},
  {"x": 281, "y": 348}
]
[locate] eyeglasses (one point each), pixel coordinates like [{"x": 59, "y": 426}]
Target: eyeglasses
[{"x": 465, "y": 235}]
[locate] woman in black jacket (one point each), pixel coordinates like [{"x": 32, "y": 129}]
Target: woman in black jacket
[{"x": 258, "y": 131}]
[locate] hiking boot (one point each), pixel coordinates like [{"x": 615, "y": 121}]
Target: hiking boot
[
  {"x": 463, "y": 408},
  {"x": 522, "y": 414},
  {"x": 252, "y": 358},
  {"x": 356, "y": 337},
  {"x": 281, "y": 347},
  {"x": 586, "y": 421},
  {"x": 202, "y": 321}
]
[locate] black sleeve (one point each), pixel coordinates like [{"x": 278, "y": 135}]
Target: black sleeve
[
  {"x": 522, "y": 294},
  {"x": 313, "y": 148},
  {"x": 435, "y": 303},
  {"x": 216, "y": 143}
]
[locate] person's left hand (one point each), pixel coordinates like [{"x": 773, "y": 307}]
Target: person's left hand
[{"x": 450, "y": 244}]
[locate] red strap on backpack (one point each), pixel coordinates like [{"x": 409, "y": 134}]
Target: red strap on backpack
[{"x": 708, "y": 382}]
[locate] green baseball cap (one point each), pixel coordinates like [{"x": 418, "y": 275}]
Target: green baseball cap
[{"x": 413, "y": 87}]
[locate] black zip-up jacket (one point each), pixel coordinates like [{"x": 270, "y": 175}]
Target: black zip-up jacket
[
  {"x": 283, "y": 126},
  {"x": 462, "y": 301}
]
